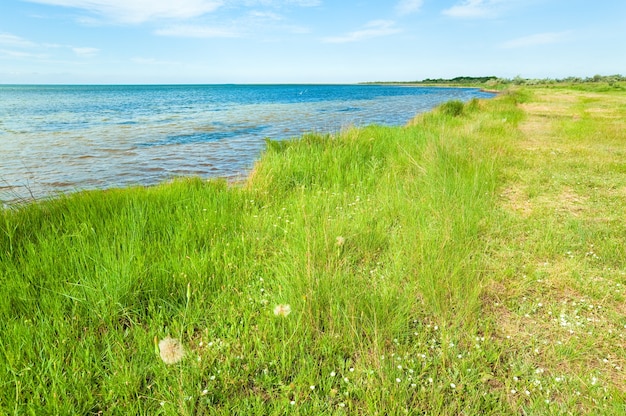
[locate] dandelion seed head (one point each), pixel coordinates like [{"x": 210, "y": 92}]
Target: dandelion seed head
[
  {"x": 282, "y": 310},
  {"x": 171, "y": 350}
]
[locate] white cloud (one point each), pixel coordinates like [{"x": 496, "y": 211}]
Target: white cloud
[
  {"x": 138, "y": 11},
  {"x": 472, "y": 9},
  {"x": 409, "y": 6},
  {"x": 536, "y": 39},
  {"x": 86, "y": 52},
  {"x": 374, "y": 29}
]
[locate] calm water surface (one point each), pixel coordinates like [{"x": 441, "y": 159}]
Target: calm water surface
[{"x": 65, "y": 138}]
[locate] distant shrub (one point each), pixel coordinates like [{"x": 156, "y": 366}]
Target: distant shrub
[{"x": 452, "y": 108}]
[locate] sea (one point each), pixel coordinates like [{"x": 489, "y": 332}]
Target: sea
[{"x": 56, "y": 139}]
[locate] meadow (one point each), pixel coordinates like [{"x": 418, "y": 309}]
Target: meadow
[{"x": 471, "y": 262}]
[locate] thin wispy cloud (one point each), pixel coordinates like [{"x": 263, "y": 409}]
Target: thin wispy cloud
[
  {"x": 278, "y": 3},
  {"x": 21, "y": 54},
  {"x": 139, "y": 11},
  {"x": 535, "y": 40},
  {"x": 475, "y": 9},
  {"x": 404, "y": 7},
  {"x": 15, "y": 41},
  {"x": 374, "y": 29},
  {"x": 254, "y": 23},
  {"x": 190, "y": 18},
  {"x": 304, "y": 3},
  {"x": 258, "y": 23},
  {"x": 25, "y": 48},
  {"x": 140, "y": 60}
]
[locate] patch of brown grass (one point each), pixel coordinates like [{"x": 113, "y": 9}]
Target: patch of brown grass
[
  {"x": 563, "y": 312},
  {"x": 515, "y": 199}
]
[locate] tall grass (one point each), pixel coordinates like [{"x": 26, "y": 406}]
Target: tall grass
[{"x": 385, "y": 242}]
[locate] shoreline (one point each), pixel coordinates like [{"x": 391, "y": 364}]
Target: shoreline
[{"x": 216, "y": 158}]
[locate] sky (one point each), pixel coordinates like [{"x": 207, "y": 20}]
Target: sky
[{"x": 306, "y": 41}]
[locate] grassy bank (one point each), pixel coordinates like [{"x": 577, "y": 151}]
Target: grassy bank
[{"x": 469, "y": 263}]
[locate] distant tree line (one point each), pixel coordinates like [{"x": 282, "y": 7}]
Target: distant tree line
[
  {"x": 439, "y": 81},
  {"x": 459, "y": 80},
  {"x": 611, "y": 80}
]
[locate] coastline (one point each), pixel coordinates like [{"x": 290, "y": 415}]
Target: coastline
[
  {"x": 101, "y": 140},
  {"x": 382, "y": 259}
]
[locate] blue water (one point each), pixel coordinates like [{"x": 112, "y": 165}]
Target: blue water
[{"x": 65, "y": 138}]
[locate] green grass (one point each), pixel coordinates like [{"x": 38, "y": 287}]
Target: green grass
[{"x": 468, "y": 263}]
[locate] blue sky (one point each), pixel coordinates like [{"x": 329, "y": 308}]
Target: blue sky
[{"x": 301, "y": 41}]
